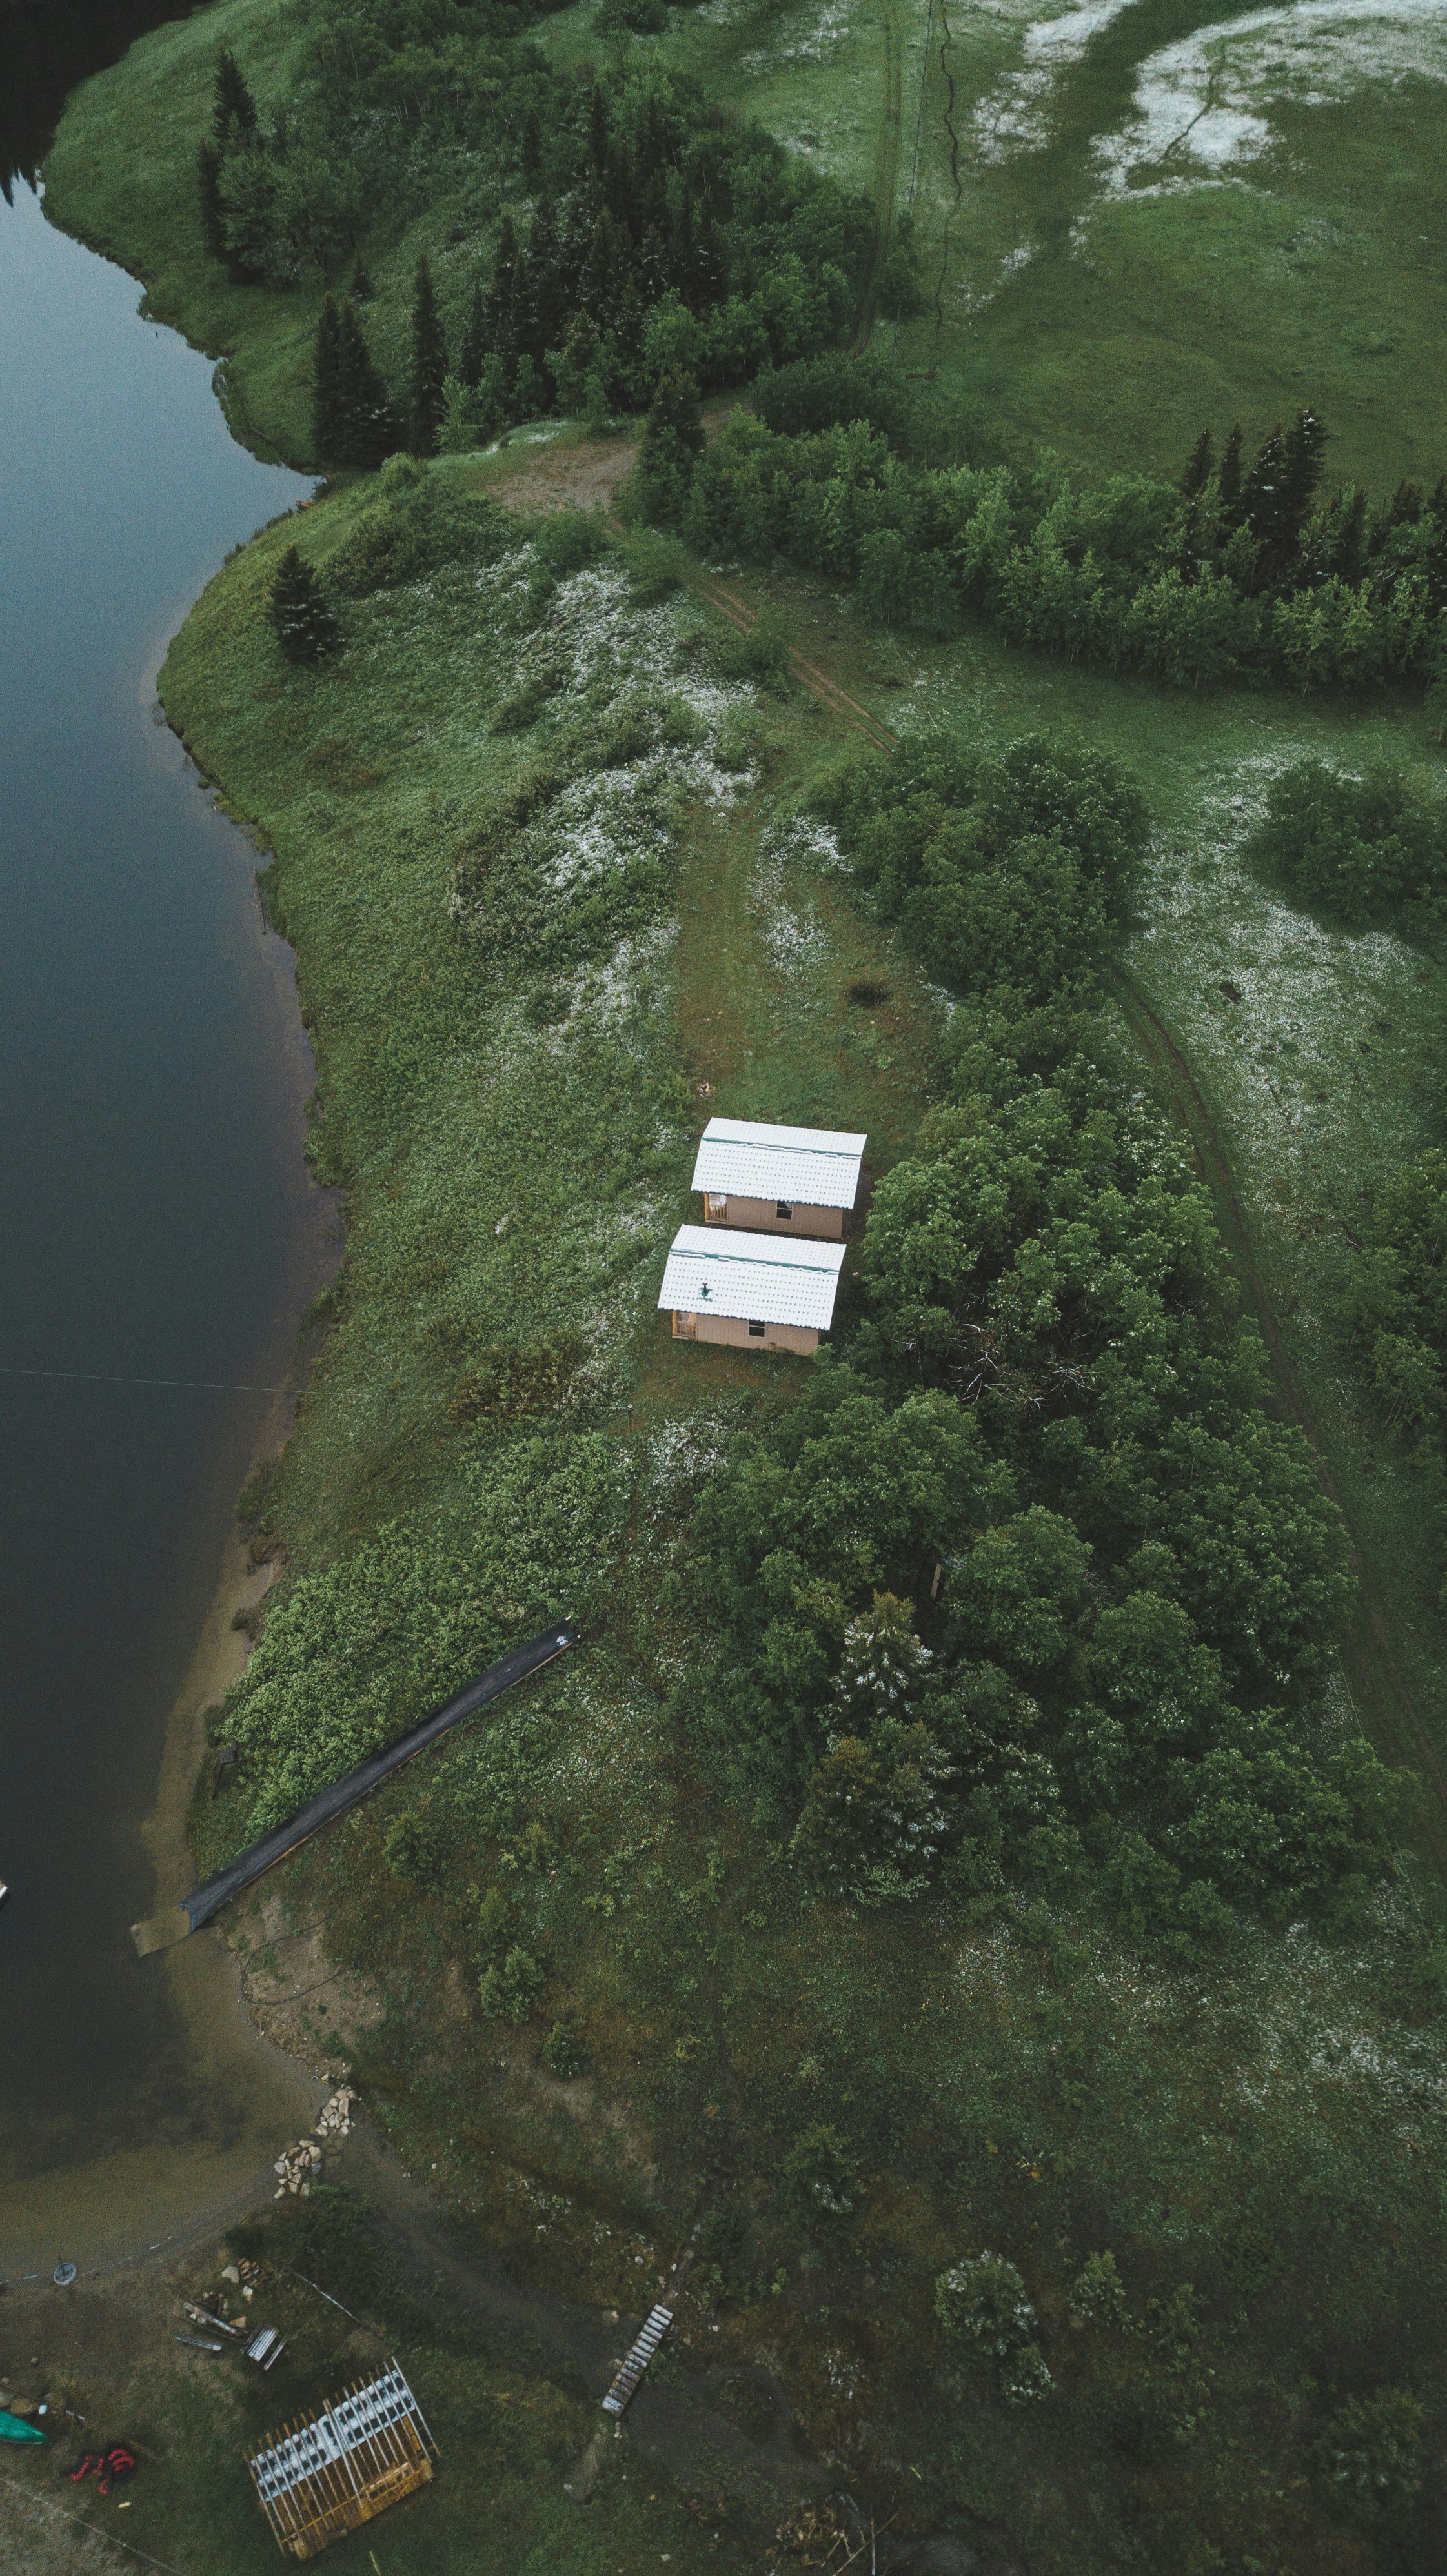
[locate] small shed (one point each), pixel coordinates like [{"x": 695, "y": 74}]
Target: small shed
[
  {"x": 757, "y": 1290},
  {"x": 778, "y": 1180}
]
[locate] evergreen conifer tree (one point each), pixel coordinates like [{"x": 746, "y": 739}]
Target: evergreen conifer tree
[
  {"x": 1198, "y": 468},
  {"x": 597, "y": 144},
  {"x": 672, "y": 438},
  {"x": 1265, "y": 499},
  {"x": 474, "y": 345},
  {"x": 499, "y": 300},
  {"x": 539, "y": 303},
  {"x": 360, "y": 289},
  {"x": 1230, "y": 474},
  {"x": 329, "y": 439},
  {"x": 233, "y": 109},
  {"x": 1351, "y": 535},
  {"x": 208, "y": 190},
  {"x": 1405, "y": 506},
  {"x": 673, "y": 413},
  {"x": 530, "y": 146},
  {"x": 429, "y": 365},
  {"x": 1434, "y": 559},
  {"x": 303, "y": 622},
  {"x": 1305, "y": 445},
  {"x": 366, "y": 429},
  {"x": 527, "y": 390},
  {"x": 882, "y": 1667}
]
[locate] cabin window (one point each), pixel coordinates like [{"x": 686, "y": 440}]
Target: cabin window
[
  {"x": 757, "y": 1331},
  {"x": 783, "y": 1210},
  {"x": 716, "y": 1203}
]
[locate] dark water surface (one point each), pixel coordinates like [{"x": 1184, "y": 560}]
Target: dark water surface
[{"x": 156, "y": 1220}]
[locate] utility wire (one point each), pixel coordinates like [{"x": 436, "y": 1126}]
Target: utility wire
[
  {"x": 93, "y": 1377},
  {"x": 94, "y": 2528}
]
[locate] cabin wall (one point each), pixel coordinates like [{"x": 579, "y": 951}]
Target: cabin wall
[
  {"x": 734, "y": 1330},
  {"x": 760, "y": 1216}
]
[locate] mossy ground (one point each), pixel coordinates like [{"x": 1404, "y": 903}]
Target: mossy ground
[{"x": 1029, "y": 2083}]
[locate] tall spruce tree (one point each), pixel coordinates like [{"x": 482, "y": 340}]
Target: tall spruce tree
[
  {"x": 329, "y": 438},
  {"x": 539, "y": 300},
  {"x": 233, "y": 109},
  {"x": 360, "y": 289},
  {"x": 1265, "y": 496},
  {"x": 474, "y": 344},
  {"x": 1305, "y": 456},
  {"x": 596, "y": 148},
  {"x": 367, "y": 430},
  {"x": 499, "y": 300},
  {"x": 1434, "y": 560},
  {"x": 429, "y": 365},
  {"x": 1198, "y": 466},
  {"x": 300, "y": 615},
  {"x": 672, "y": 438},
  {"x": 208, "y": 191},
  {"x": 1230, "y": 474}
]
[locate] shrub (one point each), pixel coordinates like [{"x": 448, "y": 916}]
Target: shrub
[
  {"x": 1370, "y": 2453},
  {"x": 820, "y": 2187},
  {"x": 510, "y": 1991},
  {"x": 1354, "y": 847},
  {"x": 721, "y": 2246},
  {"x": 413, "y": 1848},
  {"x": 983, "y": 2301},
  {"x": 561, "y": 2052},
  {"x": 1097, "y": 2293}
]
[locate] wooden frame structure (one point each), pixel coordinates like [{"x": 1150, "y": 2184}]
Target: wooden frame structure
[{"x": 343, "y": 2464}]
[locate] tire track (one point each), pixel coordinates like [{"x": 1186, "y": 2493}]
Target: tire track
[
  {"x": 948, "y": 121},
  {"x": 1159, "y": 1047},
  {"x": 886, "y": 175}
]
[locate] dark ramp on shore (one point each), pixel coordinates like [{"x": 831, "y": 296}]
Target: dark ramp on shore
[{"x": 207, "y": 1899}]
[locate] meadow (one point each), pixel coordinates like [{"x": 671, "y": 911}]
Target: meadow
[{"x": 499, "y": 1425}]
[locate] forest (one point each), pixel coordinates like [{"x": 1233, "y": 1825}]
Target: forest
[{"x": 1245, "y": 569}]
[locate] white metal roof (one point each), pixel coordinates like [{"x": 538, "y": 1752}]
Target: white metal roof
[
  {"x": 813, "y": 1166},
  {"x": 764, "y": 1278}
]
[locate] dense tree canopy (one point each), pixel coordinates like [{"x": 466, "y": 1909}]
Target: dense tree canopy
[
  {"x": 1048, "y": 1435},
  {"x": 625, "y": 229},
  {"x": 1232, "y": 573}
]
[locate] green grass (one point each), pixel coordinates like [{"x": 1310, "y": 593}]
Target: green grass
[{"x": 1095, "y": 301}]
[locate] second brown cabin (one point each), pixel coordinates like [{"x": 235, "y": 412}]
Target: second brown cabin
[{"x": 778, "y": 1180}]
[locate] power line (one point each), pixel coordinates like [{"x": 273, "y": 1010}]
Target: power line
[
  {"x": 94, "y": 1377},
  {"x": 94, "y": 2528}
]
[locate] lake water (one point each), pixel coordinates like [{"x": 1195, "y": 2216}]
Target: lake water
[{"x": 157, "y": 1224}]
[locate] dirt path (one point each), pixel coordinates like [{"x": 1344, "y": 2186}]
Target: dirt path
[
  {"x": 670, "y": 2418},
  {"x": 886, "y": 173},
  {"x": 1370, "y": 1654}
]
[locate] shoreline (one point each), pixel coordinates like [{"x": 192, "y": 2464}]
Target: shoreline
[
  {"x": 256, "y": 2095},
  {"x": 261, "y": 2096}
]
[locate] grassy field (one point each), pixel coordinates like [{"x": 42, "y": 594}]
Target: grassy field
[
  {"x": 515, "y": 1133},
  {"x": 1133, "y": 220}
]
